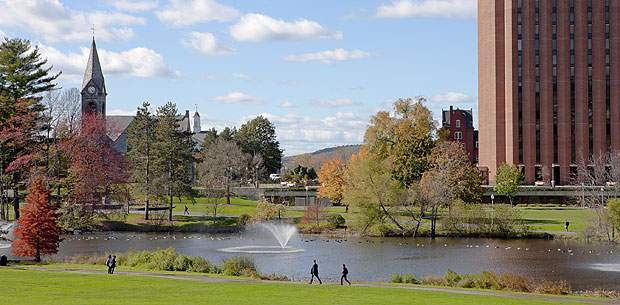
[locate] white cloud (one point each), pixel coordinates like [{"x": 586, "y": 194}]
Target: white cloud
[
  {"x": 328, "y": 56},
  {"x": 355, "y": 14},
  {"x": 453, "y": 98},
  {"x": 210, "y": 77},
  {"x": 287, "y": 104},
  {"x": 2, "y": 35},
  {"x": 301, "y": 134},
  {"x": 386, "y": 105},
  {"x": 181, "y": 13},
  {"x": 246, "y": 77},
  {"x": 339, "y": 102},
  {"x": 137, "y": 62},
  {"x": 288, "y": 83},
  {"x": 206, "y": 44},
  {"x": 52, "y": 21},
  {"x": 239, "y": 98},
  {"x": 134, "y": 6},
  {"x": 427, "y": 8},
  {"x": 257, "y": 28}
]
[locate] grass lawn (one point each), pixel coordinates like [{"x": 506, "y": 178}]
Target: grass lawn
[
  {"x": 50, "y": 287},
  {"x": 237, "y": 207},
  {"x": 553, "y": 218}
]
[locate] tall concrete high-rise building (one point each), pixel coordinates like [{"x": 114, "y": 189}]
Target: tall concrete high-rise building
[{"x": 548, "y": 84}]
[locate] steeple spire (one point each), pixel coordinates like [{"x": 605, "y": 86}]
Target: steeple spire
[
  {"x": 93, "y": 69},
  {"x": 93, "y": 87},
  {"x": 196, "y": 121}
]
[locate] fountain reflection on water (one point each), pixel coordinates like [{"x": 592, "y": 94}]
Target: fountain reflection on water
[{"x": 281, "y": 231}]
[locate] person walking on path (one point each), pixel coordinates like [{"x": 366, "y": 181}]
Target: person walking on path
[
  {"x": 345, "y": 271},
  {"x": 566, "y": 225},
  {"x": 186, "y": 211},
  {"x": 314, "y": 271},
  {"x": 113, "y": 264},
  {"x": 108, "y": 263}
]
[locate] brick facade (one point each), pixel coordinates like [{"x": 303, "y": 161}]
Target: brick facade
[
  {"x": 549, "y": 84},
  {"x": 460, "y": 123}
]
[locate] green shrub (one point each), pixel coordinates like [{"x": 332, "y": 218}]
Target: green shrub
[
  {"x": 396, "y": 278},
  {"x": 452, "y": 277},
  {"x": 237, "y": 265},
  {"x": 466, "y": 282},
  {"x": 182, "y": 263},
  {"x": 202, "y": 265},
  {"x": 243, "y": 220},
  {"x": 162, "y": 260},
  {"x": 410, "y": 279},
  {"x": 336, "y": 220},
  {"x": 139, "y": 259},
  {"x": 485, "y": 280}
]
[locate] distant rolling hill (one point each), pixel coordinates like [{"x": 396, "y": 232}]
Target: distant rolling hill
[{"x": 316, "y": 159}]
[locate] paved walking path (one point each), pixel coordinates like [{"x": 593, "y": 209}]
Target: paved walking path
[{"x": 207, "y": 279}]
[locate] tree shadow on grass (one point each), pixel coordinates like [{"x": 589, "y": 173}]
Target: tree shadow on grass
[{"x": 542, "y": 221}]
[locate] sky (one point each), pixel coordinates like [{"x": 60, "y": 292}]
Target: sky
[{"x": 317, "y": 69}]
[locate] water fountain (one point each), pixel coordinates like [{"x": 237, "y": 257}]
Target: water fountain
[{"x": 282, "y": 233}]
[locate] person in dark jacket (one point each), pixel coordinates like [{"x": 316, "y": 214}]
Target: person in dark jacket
[
  {"x": 345, "y": 271},
  {"x": 566, "y": 225},
  {"x": 108, "y": 263},
  {"x": 314, "y": 271},
  {"x": 113, "y": 264}
]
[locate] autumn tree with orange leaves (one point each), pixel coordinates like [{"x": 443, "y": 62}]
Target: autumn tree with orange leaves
[
  {"x": 37, "y": 232},
  {"x": 331, "y": 177}
]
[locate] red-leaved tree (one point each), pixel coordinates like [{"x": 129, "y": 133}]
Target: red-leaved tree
[
  {"x": 96, "y": 168},
  {"x": 20, "y": 151},
  {"x": 37, "y": 233}
]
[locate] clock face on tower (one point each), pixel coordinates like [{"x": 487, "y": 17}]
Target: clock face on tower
[{"x": 91, "y": 90}]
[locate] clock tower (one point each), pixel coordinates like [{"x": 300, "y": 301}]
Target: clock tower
[{"x": 93, "y": 86}]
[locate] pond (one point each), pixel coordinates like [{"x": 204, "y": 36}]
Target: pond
[{"x": 583, "y": 265}]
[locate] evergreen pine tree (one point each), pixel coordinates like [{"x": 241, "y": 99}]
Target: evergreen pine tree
[
  {"x": 173, "y": 152},
  {"x": 141, "y": 138}
]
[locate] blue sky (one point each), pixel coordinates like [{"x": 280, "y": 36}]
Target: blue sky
[{"x": 317, "y": 69}]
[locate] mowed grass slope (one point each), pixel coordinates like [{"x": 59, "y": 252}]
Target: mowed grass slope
[
  {"x": 554, "y": 218},
  {"x": 52, "y": 287}
]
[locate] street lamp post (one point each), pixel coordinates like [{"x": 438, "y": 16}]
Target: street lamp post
[
  {"x": 492, "y": 199},
  {"x": 256, "y": 176}
]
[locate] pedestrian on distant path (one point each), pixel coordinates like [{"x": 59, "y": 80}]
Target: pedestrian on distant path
[
  {"x": 113, "y": 264},
  {"x": 567, "y": 223},
  {"x": 314, "y": 271},
  {"x": 345, "y": 271},
  {"x": 186, "y": 211},
  {"x": 108, "y": 263}
]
